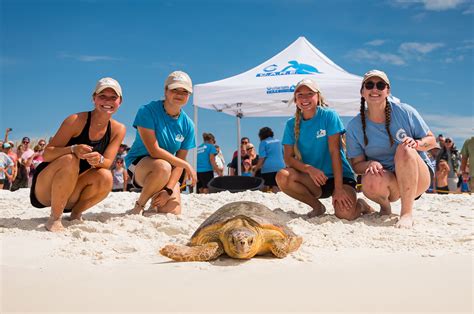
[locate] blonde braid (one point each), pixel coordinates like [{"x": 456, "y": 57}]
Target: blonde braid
[
  {"x": 388, "y": 112},
  {"x": 362, "y": 118},
  {"x": 297, "y": 133}
]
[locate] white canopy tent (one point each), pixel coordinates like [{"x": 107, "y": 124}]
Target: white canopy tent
[{"x": 264, "y": 91}]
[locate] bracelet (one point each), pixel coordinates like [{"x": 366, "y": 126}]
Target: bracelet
[
  {"x": 168, "y": 190},
  {"x": 72, "y": 148},
  {"x": 101, "y": 160}
]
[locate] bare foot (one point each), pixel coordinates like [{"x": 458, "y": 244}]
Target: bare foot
[
  {"x": 54, "y": 225},
  {"x": 74, "y": 216},
  {"x": 317, "y": 211},
  {"x": 364, "y": 207},
  {"x": 137, "y": 210},
  {"x": 405, "y": 221}
]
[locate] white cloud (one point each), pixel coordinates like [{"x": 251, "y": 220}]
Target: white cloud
[
  {"x": 376, "y": 42},
  {"x": 87, "y": 58},
  {"x": 469, "y": 10},
  {"x": 422, "y": 48},
  {"x": 459, "y": 127},
  {"x": 454, "y": 59},
  {"x": 375, "y": 57},
  {"x": 432, "y": 5}
]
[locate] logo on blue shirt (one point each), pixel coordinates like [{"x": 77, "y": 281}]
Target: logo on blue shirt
[
  {"x": 321, "y": 133},
  {"x": 179, "y": 138},
  {"x": 400, "y": 135},
  {"x": 293, "y": 67}
]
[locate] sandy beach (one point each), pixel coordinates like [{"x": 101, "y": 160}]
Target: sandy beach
[{"x": 109, "y": 262}]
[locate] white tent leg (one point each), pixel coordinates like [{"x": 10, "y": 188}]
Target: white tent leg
[
  {"x": 239, "y": 157},
  {"x": 196, "y": 137}
]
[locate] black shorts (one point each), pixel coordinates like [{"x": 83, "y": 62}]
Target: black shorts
[
  {"x": 204, "y": 178},
  {"x": 328, "y": 188},
  {"x": 34, "y": 201},
  {"x": 2, "y": 181},
  {"x": 269, "y": 179}
]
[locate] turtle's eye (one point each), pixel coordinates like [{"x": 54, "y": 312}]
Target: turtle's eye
[
  {"x": 233, "y": 240},
  {"x": 250, "y": 241}
]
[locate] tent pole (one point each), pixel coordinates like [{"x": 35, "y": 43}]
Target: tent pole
[
  {"x": 196, "y": 138},
  {"x": 239, "y": 157}
]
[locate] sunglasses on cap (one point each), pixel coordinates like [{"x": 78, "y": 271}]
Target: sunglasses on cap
[{"x": 370, "y": 85}]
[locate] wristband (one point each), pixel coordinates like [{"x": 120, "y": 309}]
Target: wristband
[
  {"x": 168, "y": 190},
  {"x": 101, "y": 160},
  {"x": 72, "y": 148}
]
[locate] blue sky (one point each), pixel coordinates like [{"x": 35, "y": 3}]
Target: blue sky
[{"x": 53, "y": 52}]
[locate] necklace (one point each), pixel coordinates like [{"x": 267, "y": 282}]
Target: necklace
[{"x": 172, "y": 116}]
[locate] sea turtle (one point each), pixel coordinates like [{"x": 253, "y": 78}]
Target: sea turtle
[{"x": 239, "y": 229}]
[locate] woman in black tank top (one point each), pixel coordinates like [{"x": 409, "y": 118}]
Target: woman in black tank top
[{"x": 75, "y": 174}]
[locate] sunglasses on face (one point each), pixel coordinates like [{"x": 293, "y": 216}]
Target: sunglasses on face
[
  {"x": 105, "y": 98},
  {"x": 26, "y": 142},
  {"x": 370, "y": 85},
  {"x": 447, "y": 141}
]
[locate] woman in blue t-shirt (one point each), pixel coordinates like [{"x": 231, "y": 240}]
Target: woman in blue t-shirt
[
  {"x": 387, "y": 144},
  {"x": 316, "y": 164},
  {"x": 206, "y": 162},
  {"x": 270, "y": 159},
  {"x": 157, "y": 157}
]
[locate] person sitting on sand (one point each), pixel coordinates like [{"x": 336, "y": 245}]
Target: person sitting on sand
[
  {"x": 387, "y": 144},
  {"x": 75, "y": 173},
  {"x": 316, "y": 164},
  {"x": 157, "y": 157}
]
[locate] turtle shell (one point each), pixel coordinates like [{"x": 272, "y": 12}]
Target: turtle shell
[{"x": 259, "y": 213}]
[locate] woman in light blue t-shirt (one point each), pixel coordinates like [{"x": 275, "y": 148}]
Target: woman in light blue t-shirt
[
  {"x": 387, "y": 145},
  {"x": 157, "y": 158},
  {"x": 316, "y": 164}
]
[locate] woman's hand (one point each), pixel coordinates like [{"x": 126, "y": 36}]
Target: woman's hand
[
  {"x": 94, "y": 158},
  {"x": 341, "y": 199},
  {"x": 410, "y": 142},
  {"x": 374, "y": 167},
  {"x": 81, "y": 150},
  {"x": 318, "y": 177},
  {"x": 191, "y": 174},
  {"x": 160, "y": 199}
]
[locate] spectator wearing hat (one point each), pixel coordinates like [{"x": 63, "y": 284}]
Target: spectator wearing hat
[
  {"x": 157, "y": 157},
  {"x": 387, "y": 144},
  {"x": 316, "y": 164},
  {"x": 6, "y": 167},
  {"x": 206, "y": 162},
  {"x": 270, "y": 159},
  {"x": 75, "y": 173},
  {"x": 450, "y": 153}
]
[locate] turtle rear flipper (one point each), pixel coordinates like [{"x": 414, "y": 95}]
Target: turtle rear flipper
[
  {"x": 282, "y": 247},
  {"x": 200, "y": 253}
]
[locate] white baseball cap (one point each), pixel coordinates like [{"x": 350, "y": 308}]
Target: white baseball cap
[
  {"x": 179, "y": 79},
  {"x": 108, "y": 82}
]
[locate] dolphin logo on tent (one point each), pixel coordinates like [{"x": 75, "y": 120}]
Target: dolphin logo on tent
[{"x": 293, "y": 67}]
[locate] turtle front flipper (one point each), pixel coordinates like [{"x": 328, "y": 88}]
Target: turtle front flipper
[
  {"x": 282, "y": 247},
  {"x": 200, "y": 253}
]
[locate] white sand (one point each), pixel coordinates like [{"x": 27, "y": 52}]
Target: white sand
[{"x": 109, "y": 263}]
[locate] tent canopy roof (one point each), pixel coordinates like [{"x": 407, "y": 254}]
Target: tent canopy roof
[{"x": 264, "y": 91}]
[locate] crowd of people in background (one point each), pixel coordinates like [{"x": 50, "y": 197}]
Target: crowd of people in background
[{"x": 18, "y": 162}]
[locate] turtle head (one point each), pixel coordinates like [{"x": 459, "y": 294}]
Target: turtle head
[{"x": 241, "y": 243}]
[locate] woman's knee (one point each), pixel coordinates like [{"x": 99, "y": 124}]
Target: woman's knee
[
  {"x": 162, "y": 167},
  {"x": 68, "y": 161},
  {"x": 373, "y": 185},
  {"x": 104, "y": 179},
  {"x": 404, "y": 154},
  {"x": 346, "y": 213},
  {"x": 283, "y": 178}
]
